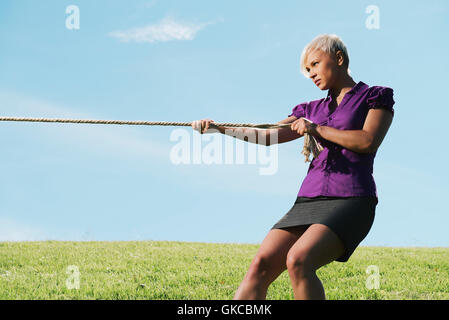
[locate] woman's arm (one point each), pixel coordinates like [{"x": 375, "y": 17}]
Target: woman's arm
[
  {"x": 367, "y": 140},
  {"x": 264, "y": 137}
]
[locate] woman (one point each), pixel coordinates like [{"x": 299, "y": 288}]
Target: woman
[{"x": 336, "y": 203}]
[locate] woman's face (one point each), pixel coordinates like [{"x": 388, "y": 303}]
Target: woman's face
[{"x": 323, "y": 69}]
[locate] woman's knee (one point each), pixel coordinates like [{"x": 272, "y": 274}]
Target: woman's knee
[
  {"x": 259, "y": 266},
  {"x": 299, "y": 263},
  {"x": 264, "y": 268}
]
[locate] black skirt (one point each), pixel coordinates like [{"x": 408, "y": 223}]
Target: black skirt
[{"x": 350, "y": 218}]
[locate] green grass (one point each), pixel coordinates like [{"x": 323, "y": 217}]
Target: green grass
[{"x": 185, "y": 270}]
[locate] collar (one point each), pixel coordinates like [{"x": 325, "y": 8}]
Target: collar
[{"x": 353, "y": 90}]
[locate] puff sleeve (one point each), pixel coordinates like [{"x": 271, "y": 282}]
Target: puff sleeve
[
  {"x": 381, "y": 97},
  {"x": 299, "y": 110}
]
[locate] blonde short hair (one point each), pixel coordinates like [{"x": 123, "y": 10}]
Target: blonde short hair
[{"x": 329, "y": 43}]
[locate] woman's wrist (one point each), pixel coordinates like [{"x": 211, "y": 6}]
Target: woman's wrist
[{"x": 314, "y": 129}]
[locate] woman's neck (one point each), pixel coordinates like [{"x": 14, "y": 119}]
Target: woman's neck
[{"x": 342, "y": 86}]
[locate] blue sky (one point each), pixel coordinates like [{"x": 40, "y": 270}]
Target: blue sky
[{"x": 231, "y": 61}]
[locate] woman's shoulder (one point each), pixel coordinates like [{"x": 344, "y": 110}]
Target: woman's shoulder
[
  {"x": 380, "y": 97},
  {"x": 305, "y": 108},
  {"x": 314, "y": 103},
  {"x": 380, "y": 94},
  {"x": 377, "y": 90}
]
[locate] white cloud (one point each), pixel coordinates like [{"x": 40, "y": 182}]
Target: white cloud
[{"x": 166, "y": 30}]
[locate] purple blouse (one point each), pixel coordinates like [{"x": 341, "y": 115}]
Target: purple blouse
[{"x": 338, "y": 171}]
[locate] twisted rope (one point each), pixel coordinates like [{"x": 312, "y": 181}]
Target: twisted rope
[{"x": 310, "y": 144}]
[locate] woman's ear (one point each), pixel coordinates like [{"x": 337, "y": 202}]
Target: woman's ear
[{"x": 340, "y": 58}]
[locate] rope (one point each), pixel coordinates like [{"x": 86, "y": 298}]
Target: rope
[{"x": 310, "y": 144}]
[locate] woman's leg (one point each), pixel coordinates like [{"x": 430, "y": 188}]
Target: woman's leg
[
  {"x": 318, "y": 246},
  {"x": 269, "y": 263}
]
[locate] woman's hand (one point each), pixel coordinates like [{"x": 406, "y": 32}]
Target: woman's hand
[
  {"x": 205, "y": 124},
  {"x": 302, "y": 126}
]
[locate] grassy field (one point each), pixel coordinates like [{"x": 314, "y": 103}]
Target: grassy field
[{"x": 185, "y": 270}]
